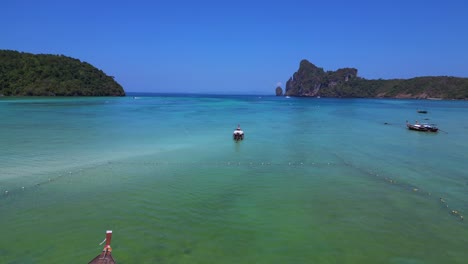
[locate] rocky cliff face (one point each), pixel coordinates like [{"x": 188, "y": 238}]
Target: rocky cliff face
[
  {"x": 311, "y": 80},
  {"x": 279, "y": 91}
]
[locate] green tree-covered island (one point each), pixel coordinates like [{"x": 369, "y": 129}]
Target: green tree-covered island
[
  {"x": 26, "y": 74},
  {"x": 312, "y": 81}
]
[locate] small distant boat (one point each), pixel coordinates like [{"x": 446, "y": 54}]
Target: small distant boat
[
  {"x": 422, "y": 111},
  {"x": 106, "y": 256},
  {"x": 238, "y": 134},
  {"x": 422, "y": 127}
]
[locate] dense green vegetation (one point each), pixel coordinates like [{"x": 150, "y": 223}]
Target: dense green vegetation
[
  {"x": 310, "y": 80},
  {"x": 26, "y": 74}
]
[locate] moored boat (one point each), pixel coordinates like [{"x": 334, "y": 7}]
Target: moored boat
[
  {"x": 238, "y": 134},
  {"x": 423, "y": 127},
  {"x": 106, "y": 256}
]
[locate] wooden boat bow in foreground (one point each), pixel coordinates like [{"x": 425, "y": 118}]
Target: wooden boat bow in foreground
[{"x": 106, "y": 256}]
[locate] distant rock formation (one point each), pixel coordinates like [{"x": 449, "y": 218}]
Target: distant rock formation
[
  {"x": 311, "y": 80},
  {"x": 26, "y": 74},
  {"x": 279, "y": 91}
]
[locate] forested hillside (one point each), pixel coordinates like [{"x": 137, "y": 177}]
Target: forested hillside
[{"x": 26, "y": 74}]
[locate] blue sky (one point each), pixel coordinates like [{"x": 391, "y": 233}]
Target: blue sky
[{"x": 242, "y": 47}]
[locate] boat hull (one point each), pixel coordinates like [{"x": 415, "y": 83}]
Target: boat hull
[
  {"x": 106, "y": 255},
  {"x": 422, "y": 128},
  {"x": 103, "y": 259},
  {"x": 238, "y": 137}
]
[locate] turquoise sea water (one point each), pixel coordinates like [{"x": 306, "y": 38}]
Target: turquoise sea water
[{"x": 314, "y": 181}]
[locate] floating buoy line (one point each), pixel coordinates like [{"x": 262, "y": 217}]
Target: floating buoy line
[{"x": 408, "y": 187}]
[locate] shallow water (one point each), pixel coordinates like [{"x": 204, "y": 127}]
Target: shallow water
[{"x": 314, "y": 181}]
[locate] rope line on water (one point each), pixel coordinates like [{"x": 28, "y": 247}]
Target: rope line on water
[
  {"x": 61, "y": 175},
  {"x": 409, "y": 187}
]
